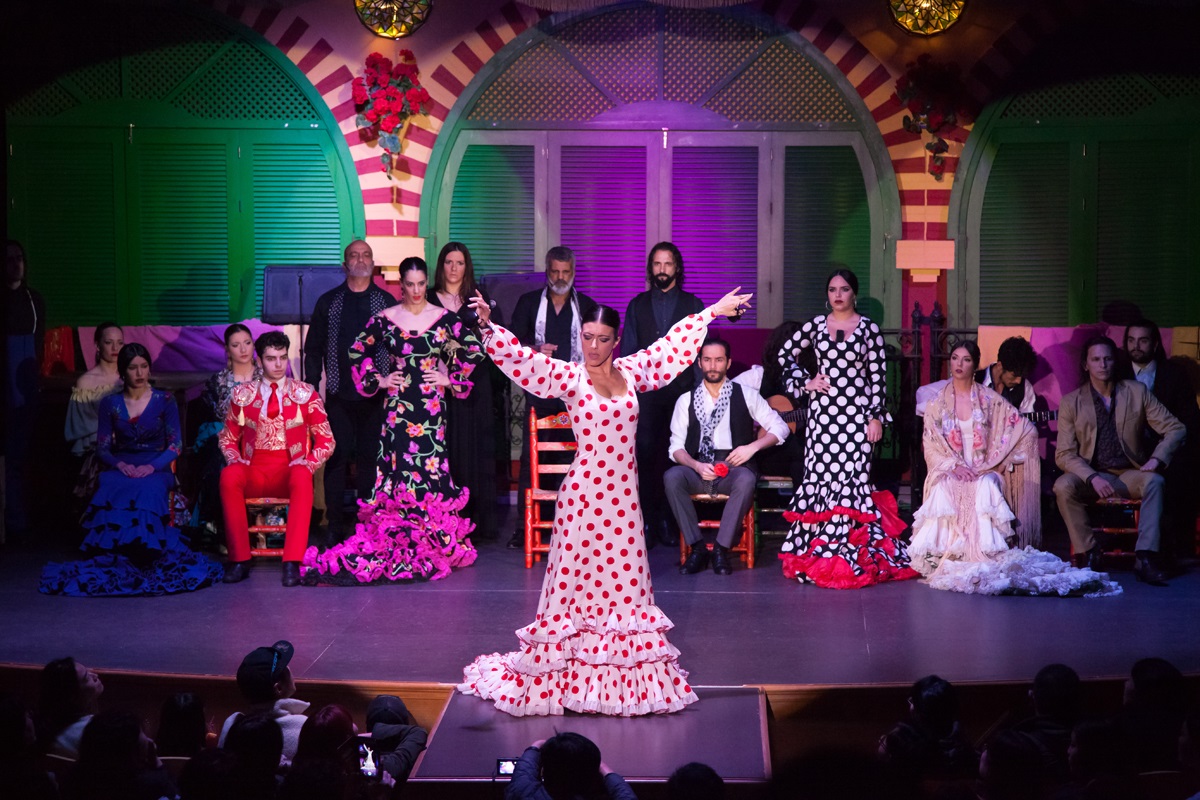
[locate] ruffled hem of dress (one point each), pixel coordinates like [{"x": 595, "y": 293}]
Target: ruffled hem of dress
[
  {"x": 599, "y": 620},
  {"x": 1027, "y": 572},
  {"x": 116, "y": 575},
  {"x": 111, "y": 528},
  {"x": 935, "y": 535},
  {"x": 877, "y": 559},
  {"x": 398, "y": 539},
  {"x": 657, "y": 687}
]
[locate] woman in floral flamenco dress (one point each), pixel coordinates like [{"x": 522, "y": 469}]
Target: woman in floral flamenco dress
[
  {"x": 412, "y": 527},
  {"x": 840, "y": 538},
  {"x": 598, "y": 642}
]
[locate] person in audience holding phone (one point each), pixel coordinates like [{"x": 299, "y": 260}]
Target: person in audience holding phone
[{"x": 564, "y": 767}]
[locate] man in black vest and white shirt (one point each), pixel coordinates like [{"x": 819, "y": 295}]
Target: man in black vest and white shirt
[
  {"x": 712, "y": 432},
  {"x": 647, "y": 319}
]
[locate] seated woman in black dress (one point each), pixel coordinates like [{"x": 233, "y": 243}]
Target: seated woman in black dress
[{"x": 134, "y": 548}]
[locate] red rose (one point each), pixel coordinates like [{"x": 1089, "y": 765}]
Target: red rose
[
  {"x": 407, "y": 55},
  {"x": 374, "y": 59},
  {"x": 385, "y": 65},
  {"x": 371, "y": 115},
  {"x": 721, "y": 469},
  {"x": 389, "y": 123},
  {"x": 360, "y": 95}
]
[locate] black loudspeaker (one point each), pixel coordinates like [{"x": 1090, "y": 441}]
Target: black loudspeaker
[
  {"x": 506, "y": 288},
  {"x": 289, "y": 293}
]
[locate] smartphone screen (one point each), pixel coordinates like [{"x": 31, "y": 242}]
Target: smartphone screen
[
  {"x": 366, "y": 761},
  {"x": 505, "y": 766}
]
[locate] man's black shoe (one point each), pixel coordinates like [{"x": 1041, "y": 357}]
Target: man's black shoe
[
  {"x": 236, "y": 571},
  {"x": 1094, "y": 557},
  {"x": 1147, "y": 571},
  {"x": 517, "y": 542},
  {"x": 720, "y": 559},
  {"x": 291, "y": 573},
  {"x": 696, "y": 561}
]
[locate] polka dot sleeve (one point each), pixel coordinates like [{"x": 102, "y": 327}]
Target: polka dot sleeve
[
  {"x": 794, "y": 373},
  {"x": 659, "y": 364},
  {"x": 535, "y": 373},
  {"x": 877, "y": 374}
]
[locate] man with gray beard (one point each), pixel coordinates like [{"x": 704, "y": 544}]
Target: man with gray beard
[
  {"x": 548, "y": 320},
  {"x": 339, "y": 316}
]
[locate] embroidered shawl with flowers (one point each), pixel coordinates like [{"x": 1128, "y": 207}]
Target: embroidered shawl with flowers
[{"x": 1002, "y": 437}]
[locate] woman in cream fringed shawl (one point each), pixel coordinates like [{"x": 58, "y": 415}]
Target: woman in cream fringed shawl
[{"x": 982, "y": 496}]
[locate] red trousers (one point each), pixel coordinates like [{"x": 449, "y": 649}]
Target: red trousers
[{"x": 267, "y": 475}]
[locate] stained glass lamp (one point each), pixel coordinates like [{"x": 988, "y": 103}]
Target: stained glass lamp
[
  {"x": 393, "y": 19},
  {"x": 926, "y": 17}
]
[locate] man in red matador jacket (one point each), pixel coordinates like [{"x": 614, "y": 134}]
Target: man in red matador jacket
[{"x": 276, "y": 435}]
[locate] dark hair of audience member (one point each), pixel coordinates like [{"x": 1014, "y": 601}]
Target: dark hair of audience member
[
  {"x": 1056, "y": 693},
  {"x": 112, "y": 753},
  {"x": 935, "y": 704},
  {"x": 695, "y": 781},
  {"x": 1097, "y": 751},
  {"x": 210, "y": 775},
  {"x": 570, "y": 766},
  {"x": 325, "y": 734},
  {"x": 1156, "y": 683},
  {"x": 257, "y": 742},
  {"x": 314, "y": 779},
  {"x": 1017, "y": 356},
  {"x": 1093, "y": 341},
  {"x": 675, "y": 254},
  {"x": 182, "y": 726},
  {"x": 276, "y": 340},
  {"x": 972, "y": 350},
  {"x": 127, "y": 354},
  {"x": 62, "y": 699},
  {"x": 1010, "y": 767},
  {"x": 602, "y": 315},
  {"x": 845, "y": 274},
  {"x": 468, "y": 287}
]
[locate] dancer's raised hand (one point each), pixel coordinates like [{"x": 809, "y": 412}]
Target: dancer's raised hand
[{"x": 731, "y": 305}]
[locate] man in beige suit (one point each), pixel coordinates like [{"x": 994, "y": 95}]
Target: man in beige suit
[{"x": 1102, "y": 451}]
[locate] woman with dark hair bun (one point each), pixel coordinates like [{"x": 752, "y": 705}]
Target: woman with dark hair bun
[
  {"x": 470, "y": 434},
  {"x": 598, "y": 644},
  {"x": 241, "y": 366},
  {"x": 84, "y": 406},
  {"x": 837, "y": 540},
  {"x": 135, "y": 548},
  {"x": 413, "y": 527}
]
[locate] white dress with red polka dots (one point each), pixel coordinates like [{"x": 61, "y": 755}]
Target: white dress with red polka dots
[{"x": 598, "y": 643}]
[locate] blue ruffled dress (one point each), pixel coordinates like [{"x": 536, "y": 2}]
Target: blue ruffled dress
[{"x": 133, "y": 547}]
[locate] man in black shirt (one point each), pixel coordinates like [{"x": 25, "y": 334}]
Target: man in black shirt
[
  {"x": 649, "y": 316},
  {"x": 356, "y": 421},
  {"x": 548, "y": 320}
]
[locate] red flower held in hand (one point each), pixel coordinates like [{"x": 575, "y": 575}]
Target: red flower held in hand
[{"x": 721, "y": 469}]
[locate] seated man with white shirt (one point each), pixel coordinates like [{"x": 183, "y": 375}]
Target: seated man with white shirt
[{"x": 713, "y": 445}]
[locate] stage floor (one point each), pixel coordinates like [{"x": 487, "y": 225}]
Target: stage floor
[{"x": 752, "y": 627}]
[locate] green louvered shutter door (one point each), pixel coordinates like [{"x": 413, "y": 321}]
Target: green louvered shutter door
[
  {"x": 179, "y": 218},
  {"x": 1024, "y": 236},
  {"x": 69, "y": 229},
  {"x": 1146, "y": 229},
  {"x": 826, "y": 221},
  {"x": 492, "y": 207},
  {"x": 294, "y": 211}
]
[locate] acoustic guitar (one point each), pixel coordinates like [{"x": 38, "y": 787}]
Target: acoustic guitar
[{"x": 783, "y": 404}]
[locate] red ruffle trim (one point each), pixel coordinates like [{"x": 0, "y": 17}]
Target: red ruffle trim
[
  {"x": 836, "y": 572},
  {"x": 888, "y": 516},
  {"x": 812, "y": 517}
]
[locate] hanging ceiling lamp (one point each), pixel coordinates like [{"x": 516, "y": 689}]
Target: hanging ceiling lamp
[
  {"x": 393, "y": 19},
  {"x": 926, "y": 17}
]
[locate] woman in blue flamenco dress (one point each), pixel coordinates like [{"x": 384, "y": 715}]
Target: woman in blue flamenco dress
[
  {"x": 133, "y": 547},
  {"x": 413, "y": 527}
]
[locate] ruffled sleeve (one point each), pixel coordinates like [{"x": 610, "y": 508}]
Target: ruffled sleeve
[
  {"x": 661, "y": 362},
  {"x": 537, "y": 374},
  {"x": 795, "y": 375}
]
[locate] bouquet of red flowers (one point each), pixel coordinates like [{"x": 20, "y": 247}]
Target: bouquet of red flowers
[{"x": 386, "y": 95}]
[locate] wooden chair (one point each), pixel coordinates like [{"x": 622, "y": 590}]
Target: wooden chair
[
  {"x": 1116, "y": 540},
  {"x": 260, "y": 507},
  {"x": 536, "y": 494},
  {"x": 744, "y": 547}
]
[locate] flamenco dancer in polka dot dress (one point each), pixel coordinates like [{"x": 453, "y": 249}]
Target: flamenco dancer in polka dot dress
[
  {"x": 598, "y": 642},
  {"x": 840, "y": 537}
]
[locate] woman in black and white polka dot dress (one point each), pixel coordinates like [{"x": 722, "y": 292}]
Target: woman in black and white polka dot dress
[{"x": 837, "y": 539}]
